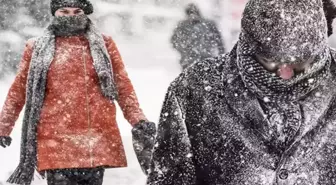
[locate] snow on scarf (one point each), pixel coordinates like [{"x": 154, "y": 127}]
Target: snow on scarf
[
  {"x": 42, "y": 57},
  {"x": 287, "y": 31},
  {"x": 283, "y": 30}
]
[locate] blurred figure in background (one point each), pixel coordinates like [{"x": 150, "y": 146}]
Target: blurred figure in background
[{"x": 196, "y": 38}]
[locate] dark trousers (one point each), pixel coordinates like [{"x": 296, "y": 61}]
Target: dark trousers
[{"x": 92, "y": 176}]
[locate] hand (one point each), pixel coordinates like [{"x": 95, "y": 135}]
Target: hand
[
  {"x": 143, "y": 135},
  {"x": 5, "y": 141}
]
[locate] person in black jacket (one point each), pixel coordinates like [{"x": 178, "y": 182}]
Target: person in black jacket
[
  {"x": 263, "y": 114},
  {"x": 196, "y": 38}
]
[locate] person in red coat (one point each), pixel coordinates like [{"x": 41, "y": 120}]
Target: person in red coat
[{"x": 69, "y": 79}]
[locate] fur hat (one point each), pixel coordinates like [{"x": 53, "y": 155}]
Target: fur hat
[{"x": 85, "y": 5}]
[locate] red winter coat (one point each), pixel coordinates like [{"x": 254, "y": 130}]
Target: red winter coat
[{"x": 77, "y": 126}]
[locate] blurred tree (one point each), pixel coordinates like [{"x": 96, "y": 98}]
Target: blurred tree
[
  {"x": 38, "y": 10},
  {"x": 19, "y": 20},
  {"x": 8, "y": 16},
  {"x": 8, "y": 9}
]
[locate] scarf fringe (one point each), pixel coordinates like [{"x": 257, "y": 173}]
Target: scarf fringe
[{"x": 22, "y": 175}]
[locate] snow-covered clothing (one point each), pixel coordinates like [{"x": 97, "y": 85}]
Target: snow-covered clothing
[
  {"x": 70, "y": 116},
  {"x": 91, "y": 176},
  {"x": 213, "y": 131},
  {"x": 143, "y": 137},
  {"x": 70, "y": 25},
  {"x": 197, "y": 39},
  {"x": 223, "y": 123}
]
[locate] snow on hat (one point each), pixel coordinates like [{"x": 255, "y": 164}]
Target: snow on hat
[
  {"x": 85, "y": 5},
  {"x": 287, "y": 27}
]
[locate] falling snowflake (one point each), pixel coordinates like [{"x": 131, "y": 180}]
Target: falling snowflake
[{"x": 208, "y": 88}]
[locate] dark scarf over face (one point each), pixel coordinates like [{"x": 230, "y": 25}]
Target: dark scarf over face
[
  {"x": 279, "y": 97},
  {"x": 270, "y": 87},
  {"x": 70, "y": 25},
  {"x": 283, "y": 30}
]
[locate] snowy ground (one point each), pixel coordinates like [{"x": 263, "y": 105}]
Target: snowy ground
[{"x": 151, "y": 67}]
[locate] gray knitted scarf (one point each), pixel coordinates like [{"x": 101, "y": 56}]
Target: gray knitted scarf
[
  {"x": 283, "y": 31},
  {"x": 271, "y": 88},
  {"x": 279, "y": 96},
  {"x": 42, "y": 57}
]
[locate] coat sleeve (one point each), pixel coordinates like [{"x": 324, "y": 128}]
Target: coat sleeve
[
  {"x": 172, "y": 161},
  {"x": 16, "y": 96},
  {"x": 127, "y": 100}
]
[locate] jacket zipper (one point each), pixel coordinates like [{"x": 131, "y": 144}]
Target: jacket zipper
[{"x": 87, "y": 107}]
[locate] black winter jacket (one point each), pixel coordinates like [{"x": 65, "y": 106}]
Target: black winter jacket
[
  {"x": 196, "y": 40},
  {"x": 213, "y": 131}
]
